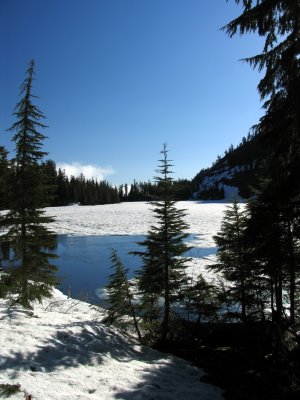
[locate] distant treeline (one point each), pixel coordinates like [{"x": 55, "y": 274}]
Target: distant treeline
[
  {"x": 65, "y": 190},
  {"x": 147, "y": 191},
  {"x": 91, "y": 192},
  {"x": 241, "y": 166}
]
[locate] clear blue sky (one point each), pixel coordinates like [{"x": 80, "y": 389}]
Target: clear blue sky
[{"x": 118, "y": 78}]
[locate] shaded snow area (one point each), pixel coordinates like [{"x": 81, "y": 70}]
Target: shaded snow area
[
  {"x": 62, "y": 351},
  {"x": 230, "y": 192}
]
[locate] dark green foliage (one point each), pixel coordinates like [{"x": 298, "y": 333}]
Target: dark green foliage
[
  {"x": 163, "y": 272},
  {"x": 3, "y": 193},
  {"x": 32, "y": 276},
  {"x": 117, "y": 288},
  {"x": 278, "y": 22},
  {"x": 274, "y": 217},
  {"x": 120, "y": 297},
  {"x": 148, "y": 191},
  {"x": 240, "y": 267},
  {"x": 212, "y": 193},
  {"x": 3, "y": 176},
  {"x": 63, "y": 190},
  {"x": 232, "y": 256},
  {"x": 273, "y": 237},
  {"x": 272, "y": 229},
  {"x": 8, "y": 389},
  {"x": 244, "y": 165},
  {"x": 201, "y": 300},
  {"x": 49, "y": 173},
  {"x": 77, "y": 190}
]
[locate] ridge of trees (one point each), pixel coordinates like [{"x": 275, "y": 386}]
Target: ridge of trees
[
  {"x": 68, "y": 190},
  {"x": 148, "y": 191},
  {"x": 246, "y": 163}
]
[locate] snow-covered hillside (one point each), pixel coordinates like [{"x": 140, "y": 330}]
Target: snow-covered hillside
[
  {"x": 62, "y": 351},
  {"x": 217, "y": 179},
  {"x": 237, "y": 172}
]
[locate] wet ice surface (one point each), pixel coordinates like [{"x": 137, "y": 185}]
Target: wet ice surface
[
  {"x": 87, "y": 235},
  {"x": 84, "y": 262}
]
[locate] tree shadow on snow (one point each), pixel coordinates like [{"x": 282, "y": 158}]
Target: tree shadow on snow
[
  {"x": 82, "y": 343},
  {"x": 169, "y": 380},
  {"x": 201, "y": 252}
]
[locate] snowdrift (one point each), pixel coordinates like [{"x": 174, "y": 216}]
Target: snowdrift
[{"x": 61, "y": 350}]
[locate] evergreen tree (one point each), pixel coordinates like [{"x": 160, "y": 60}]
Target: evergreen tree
[
  {"x": 32, "y": 276},
  {"x": 202, "y": 299},
  {"x": 3, "y": 176},
  {"x": 63, "y": 189},
  {"x": 278, "y": 22},
  {"x": 232, "y": 256},
  {"x": 3, "y": 202},
  {"x": 275, "y": 249},
  {"x": 164, "y": 265},
  {"x": 278, "y": 202},
  {"x": 48, "y": 170},
  {"x": 120, "y": 296}
]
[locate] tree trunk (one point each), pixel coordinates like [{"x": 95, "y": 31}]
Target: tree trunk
[{"x": 292, "y": 273}]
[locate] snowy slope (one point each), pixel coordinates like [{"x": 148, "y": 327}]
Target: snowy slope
[
  {"x": 63, "y": 352},
  {"x": 217, "y": 179}
]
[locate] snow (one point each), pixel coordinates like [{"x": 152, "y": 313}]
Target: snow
[
  {"x": 63, "y": 351},
  {"x": 120, "y": 226},
  {"x": 134, "y": 218},
  {"x": 230, "y": 192}
]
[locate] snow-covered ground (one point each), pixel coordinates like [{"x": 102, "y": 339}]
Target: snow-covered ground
[
  {"x": 134, "y": 218},
  {"x": 92, "y": 231},
  {"x": 63, "y": 352}
]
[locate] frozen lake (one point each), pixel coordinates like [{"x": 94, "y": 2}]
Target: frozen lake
[
  {"x": 84, "y": 261},
  {"x": 87, "y": 234}
]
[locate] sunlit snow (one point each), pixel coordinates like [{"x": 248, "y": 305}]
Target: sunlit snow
[
  {"x": 63, "y": 351},
  {"x": 89, "y": 233}
]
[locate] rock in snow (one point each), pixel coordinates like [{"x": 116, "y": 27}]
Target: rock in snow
[{"x": 62, "y": 351}]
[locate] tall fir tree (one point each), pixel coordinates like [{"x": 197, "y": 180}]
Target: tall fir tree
[
  {"x": 3, "y": 191},
  {"x": 232, "y": 259},
  {"x": 163, "y": 271},
  {"x": 32, "y": 276},
  {"x": 3, "y": 176},
  {"x": 277, "y": 21},
  {"x": 275, "y": 249},
  {"x": 202, "y": 301},
  {"x": 120, "y": 297}
]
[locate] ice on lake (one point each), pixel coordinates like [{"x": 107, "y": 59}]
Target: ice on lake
[
  {"x": 84, "y": 261},
  {"x": 87, "y": 234}
]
